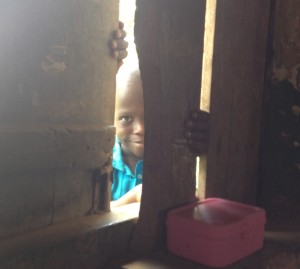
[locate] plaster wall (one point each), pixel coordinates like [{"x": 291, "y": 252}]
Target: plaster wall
[{"x": 56, "y": 108}]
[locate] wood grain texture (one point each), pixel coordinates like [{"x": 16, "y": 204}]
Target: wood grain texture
[
  {"x": 236, "y": 98},
  {"x": 169, "y": 36},
  {"x": 169, "y": 39}
]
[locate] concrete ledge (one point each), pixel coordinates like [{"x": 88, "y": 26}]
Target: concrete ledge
[{"x": 84, "y": 242}]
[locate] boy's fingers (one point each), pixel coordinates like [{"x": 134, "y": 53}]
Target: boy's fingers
[
  {"x": 196, "y": 131},
  {"x": 196, "y": 125},
  {"x": 122, "y": 55},
  {"x": 113, "y": 44},
  {"x": 115, "y": 54},
  {"x": 119, "y": 34},
  {"x": 197, "y": 114},
  {"x": 119, "y": 54},
  {"x": 200, "y": 136},
  {"x": 119, "y": 44},
  {"x": 121, "y": 25},
  {"x": 120, "y": 63},
  {"x": 198, "y": 148}
]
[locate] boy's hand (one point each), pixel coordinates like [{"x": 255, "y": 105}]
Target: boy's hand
[
  {"x": 196, "y": 131},
  {"x": 118, "y": 45},
  {"x": 133, "y": 196}
]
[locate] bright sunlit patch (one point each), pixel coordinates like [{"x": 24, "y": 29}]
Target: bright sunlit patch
[
  {"x": 207, "y": 62},
  {"x": 127, "y": 13},
  {"x": 208, "y": 51}
]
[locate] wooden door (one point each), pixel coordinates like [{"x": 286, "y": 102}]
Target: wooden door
[{"x": 169, "y": 35}]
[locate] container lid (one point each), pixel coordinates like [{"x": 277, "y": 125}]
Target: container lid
[{"x": 215, "y": 217}]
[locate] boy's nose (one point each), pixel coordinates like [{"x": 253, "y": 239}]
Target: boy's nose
[{"x": 139, "y": 127}]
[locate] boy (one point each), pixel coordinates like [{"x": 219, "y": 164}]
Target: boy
[{"x": 128, "y": 152}]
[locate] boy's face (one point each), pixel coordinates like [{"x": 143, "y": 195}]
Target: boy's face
[{"x": 129, "y": 119}]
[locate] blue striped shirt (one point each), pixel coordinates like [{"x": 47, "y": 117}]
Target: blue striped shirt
[{"x": 123, "y": 179}]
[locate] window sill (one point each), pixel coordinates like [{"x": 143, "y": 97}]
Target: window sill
[{"x": 75, "y": 228}]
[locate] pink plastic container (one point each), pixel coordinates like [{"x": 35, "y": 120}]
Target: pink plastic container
[{"x": 215, "y": 232}]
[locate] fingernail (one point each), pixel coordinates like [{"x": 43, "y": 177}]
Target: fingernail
[
  {"x": 118, "y": 34},
  {"x": 114, "y": 44}
]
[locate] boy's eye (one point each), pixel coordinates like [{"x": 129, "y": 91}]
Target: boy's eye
[{"x": 125, "y": 119}]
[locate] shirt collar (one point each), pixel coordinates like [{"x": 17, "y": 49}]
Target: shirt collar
[{"x": 119, "y": 164}]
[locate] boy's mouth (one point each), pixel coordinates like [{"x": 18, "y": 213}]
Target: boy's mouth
[
  {"x": 140, "y": 142},
  {"x": 137, "y": 141}
]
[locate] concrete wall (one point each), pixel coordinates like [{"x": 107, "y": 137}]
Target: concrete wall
[{"x": 56, "y": 108}]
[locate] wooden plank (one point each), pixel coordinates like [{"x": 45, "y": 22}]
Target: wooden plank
[
  {"x": 236, "y": 98},
  {"x": 169, "y": 36},
  {"x": 280, "y": 158}
]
